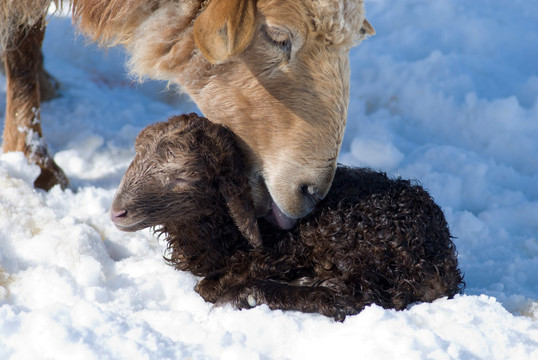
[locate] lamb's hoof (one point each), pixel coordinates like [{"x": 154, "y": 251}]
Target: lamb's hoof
[
  {"x": 241, "y": 297},
  {"x": 340, "y": 317},
  {"x": 341, "y": 314},
  {"x": 251, "y": 300},
  {"x": 344, "y": 307}
]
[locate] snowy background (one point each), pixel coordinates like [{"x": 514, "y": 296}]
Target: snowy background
[{"x": 446, "y": 93}]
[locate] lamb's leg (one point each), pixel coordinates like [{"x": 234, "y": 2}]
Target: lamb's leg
[
  {"x": 210, "y": 287},
  {"x": 284, "y": 296},
  {"x": 22, "y": 127}
]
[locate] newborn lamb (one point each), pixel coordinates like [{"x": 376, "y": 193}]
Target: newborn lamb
[{"x": 372, "y": 240}]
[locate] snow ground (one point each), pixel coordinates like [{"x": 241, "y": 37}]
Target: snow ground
[{"x": 446, "y": 93}]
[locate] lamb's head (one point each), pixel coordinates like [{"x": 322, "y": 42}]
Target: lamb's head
[{"x": 185, "y": 170}]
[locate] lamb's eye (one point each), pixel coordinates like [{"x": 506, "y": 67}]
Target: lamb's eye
[
  {"x": 279, "y": 37},
  {"x": 177, "y": 183}
]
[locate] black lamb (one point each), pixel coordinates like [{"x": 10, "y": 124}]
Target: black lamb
[{"x": 372, "y": 240}]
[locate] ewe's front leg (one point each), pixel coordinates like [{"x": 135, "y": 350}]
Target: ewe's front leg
[
  {"x": 22, "y": 127},
  {"x": 284, "y": 296}
]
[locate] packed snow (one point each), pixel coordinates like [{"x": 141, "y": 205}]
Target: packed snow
[{"x": 446, "y": 93}]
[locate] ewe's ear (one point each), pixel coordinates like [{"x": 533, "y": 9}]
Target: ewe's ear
[
  {"x": 225, "y": 28},
  {"x": 239, "y": 202},
  {"x": 367, "y": 28}
]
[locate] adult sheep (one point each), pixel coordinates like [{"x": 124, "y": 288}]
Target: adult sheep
[
  {"x": 274, "y": 71},
  {"x": 371, "y": 240}
]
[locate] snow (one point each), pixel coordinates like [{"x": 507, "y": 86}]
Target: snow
[{"x": 445, "y": 93}]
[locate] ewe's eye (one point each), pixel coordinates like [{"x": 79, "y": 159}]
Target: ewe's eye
[{"x": 279, "y": 37}]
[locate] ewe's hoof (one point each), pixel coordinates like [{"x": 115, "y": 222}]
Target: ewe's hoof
[
  {"x": 49, "y": 178},
  {"x": 51, "y": 173}
]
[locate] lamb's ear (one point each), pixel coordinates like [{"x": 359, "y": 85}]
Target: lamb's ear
[
  {"x": 225, "y": 28},
  {"x": 367, "y": 28},
  {"x": 241, "y": 209}
]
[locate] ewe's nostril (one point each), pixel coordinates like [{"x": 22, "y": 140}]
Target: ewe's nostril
[
  {"x": 311, "y": 193},
  {"x": 316, "y": 194}
]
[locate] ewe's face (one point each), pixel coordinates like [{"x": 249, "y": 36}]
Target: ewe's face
[
  {"x": 160, "y": 184},
  {"x": 286, "y": 96}
]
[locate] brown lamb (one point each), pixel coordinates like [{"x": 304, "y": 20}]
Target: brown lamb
[{"x": 372, "y": 240}]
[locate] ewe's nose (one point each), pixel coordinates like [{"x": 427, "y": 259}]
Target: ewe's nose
[
  {"x": 296, "y": 193},
  {"x": 313, "y": 192},
  {"x": 311, "y": 195}
]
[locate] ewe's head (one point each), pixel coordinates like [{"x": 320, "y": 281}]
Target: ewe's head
[
  {"x": 280, "y": 80},
  {"x": 276, "y": 72},
  {"x": 185, "y": 170}
]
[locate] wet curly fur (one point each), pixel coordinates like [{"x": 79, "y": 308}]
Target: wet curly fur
[{"x": 372, "y": 240}]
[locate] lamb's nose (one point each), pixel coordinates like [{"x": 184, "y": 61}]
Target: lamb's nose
[{"x": 116, "y": 215}]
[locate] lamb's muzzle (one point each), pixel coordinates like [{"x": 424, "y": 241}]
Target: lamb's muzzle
[{"x": 120, "y": 219}]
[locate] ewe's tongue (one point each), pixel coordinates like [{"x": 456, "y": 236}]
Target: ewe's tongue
[{"x": 278, "y": 218}]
